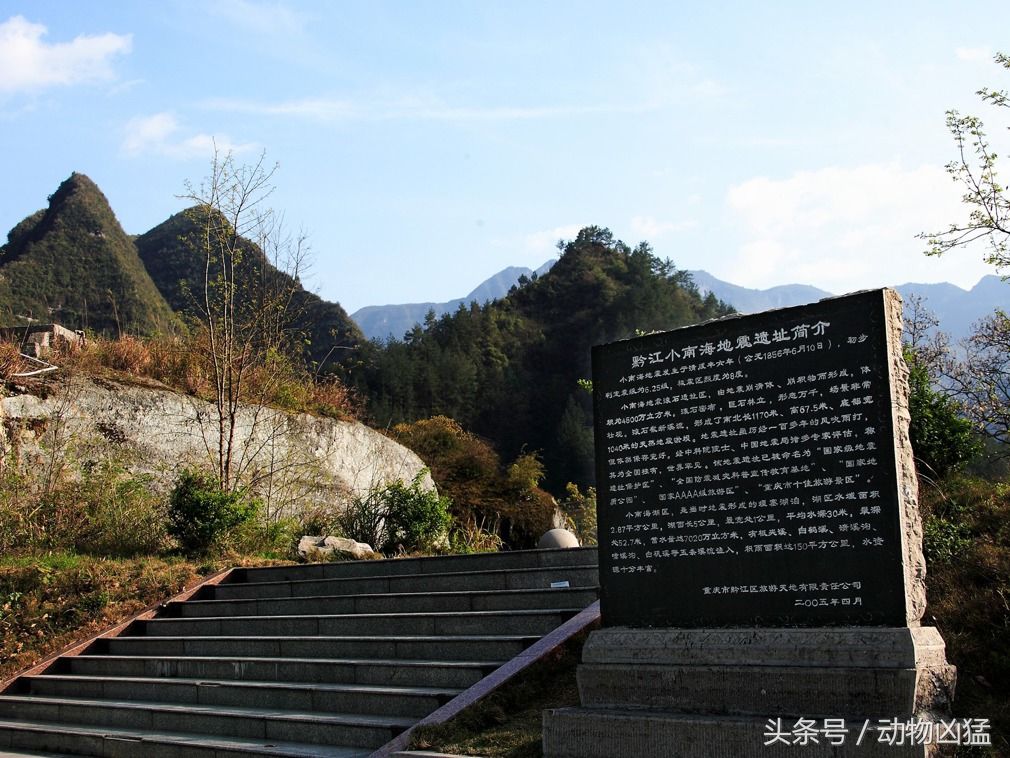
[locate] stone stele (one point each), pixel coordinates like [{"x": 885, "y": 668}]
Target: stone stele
[{"x": 721, "y": 692}]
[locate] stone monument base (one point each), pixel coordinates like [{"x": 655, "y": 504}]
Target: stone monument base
[{"x": 673, "y": 693}]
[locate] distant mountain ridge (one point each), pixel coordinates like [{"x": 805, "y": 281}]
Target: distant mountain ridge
[
  {"x": 956, "y": 308},
  {"x": 384, "y": 321},
  {"x": 747, "y": 300}
]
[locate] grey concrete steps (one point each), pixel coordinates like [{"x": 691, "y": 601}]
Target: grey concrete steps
[
  {"x": 534, "y": 621},
  {"x": 511, "y": 561},
  {"x": 460, "y": 647},
  {"x": 407, "y": 673},
  {"x": 39, "y": 738},
  {"x": 231, "y": 721},
  {"x": 317, "y": 697},
  {"x": 488, "y": 600},
  {"x": 319, "y": 660},
  {"x": 583, "y": 575}
]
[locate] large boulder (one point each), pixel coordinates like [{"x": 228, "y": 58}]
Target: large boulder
[{"x": 302, "y": 462}]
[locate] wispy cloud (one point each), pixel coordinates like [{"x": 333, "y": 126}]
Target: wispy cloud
[
  {"x": 28, "y": 63},
  {"x": 314, "y": 108},
  {"x": 161, "y": 134},
  {"x": 846, "y": 228},
  {"x": 973, "y": 53},
  {"x": 268, "y": 18},
  {"x": 412, "y": 108},
  {"x": 546, "y": 240},
  {"x": 650, "y": 228}
]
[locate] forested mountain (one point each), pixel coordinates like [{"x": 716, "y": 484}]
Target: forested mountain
[
  {"x": 73, "y": 263},
  {"x": 509, "y": 370},
  {"x": 177, "y": 269}
]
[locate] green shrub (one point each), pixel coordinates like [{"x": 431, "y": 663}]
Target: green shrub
[
  {"x": 944, "y": 539},
  {"x": 417, "y": 519},
  {"x": 580, "y": 512},
  {"x": 201, "y": 514},
  {"x": 399, "y": 516}
]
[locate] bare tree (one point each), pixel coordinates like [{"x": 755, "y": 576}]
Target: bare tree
[
  {"x": 921, "y": 335},
  {"x": 979, "y": 377},
  {"x": 246, "y": 300}
]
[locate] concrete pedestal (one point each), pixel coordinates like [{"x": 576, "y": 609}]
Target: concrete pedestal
[{"x": 712, "y": 692}]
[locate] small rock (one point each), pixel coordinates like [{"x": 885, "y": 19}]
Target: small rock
[{"x": 327, "y": 548}]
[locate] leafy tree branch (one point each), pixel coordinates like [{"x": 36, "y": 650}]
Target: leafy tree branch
[{"x": 976, "y": 170}]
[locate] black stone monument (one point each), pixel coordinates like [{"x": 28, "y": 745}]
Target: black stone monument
[{"x": 746, "y": 472}]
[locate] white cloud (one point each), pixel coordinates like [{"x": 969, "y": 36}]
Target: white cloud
[
  {"x": 545, "y": 241},
  {"x": 412, "y": 108},
  {"x": 28, "y": 63},
  {"x": 160, "y": 134},
  {"x": 844, "y": 229},
  {"x": 649, "y": 228},
  {"x": 315, "y": 108},
  {"x": 974, "y": 54},
  {"x": 270, "y": 18}
]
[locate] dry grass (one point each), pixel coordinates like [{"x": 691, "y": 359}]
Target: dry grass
[
  {"x": 184, "y": 364},
  {"x": 50, "y": 601},
  {"x": 10, "y": 360}
]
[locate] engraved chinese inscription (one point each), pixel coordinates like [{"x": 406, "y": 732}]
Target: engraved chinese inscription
[{"x": 746, "y": 471}]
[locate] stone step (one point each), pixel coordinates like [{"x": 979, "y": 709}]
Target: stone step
[
  {"x": 326, "y": 659},
  {"x": 472, "y": 647},
  {"x": 328, "y": 698},
  {"x": 244, "y": 723},
  {"x": 400, "y": 672},
  {"x": 511, "y": 560},
  {"x": 526, "y": 622},
  {"x": 493, "y": 600},
  {"x": 33, "y": 738},
  {"x": 583, "y": 575}
]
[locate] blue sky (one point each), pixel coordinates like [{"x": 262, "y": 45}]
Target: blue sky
[{"x": 423, "y": 146}]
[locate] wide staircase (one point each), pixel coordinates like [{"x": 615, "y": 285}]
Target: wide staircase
[{"x": 330, "y": 659}]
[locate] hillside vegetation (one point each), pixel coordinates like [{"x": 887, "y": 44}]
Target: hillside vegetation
[
  {"x": 72, "y": 263},
  {"x": 509, "y": 370},
  {"x": 178, "y": 272}
]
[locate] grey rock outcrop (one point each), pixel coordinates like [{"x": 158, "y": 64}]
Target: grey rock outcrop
[{"x": 300, "y": 461}]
